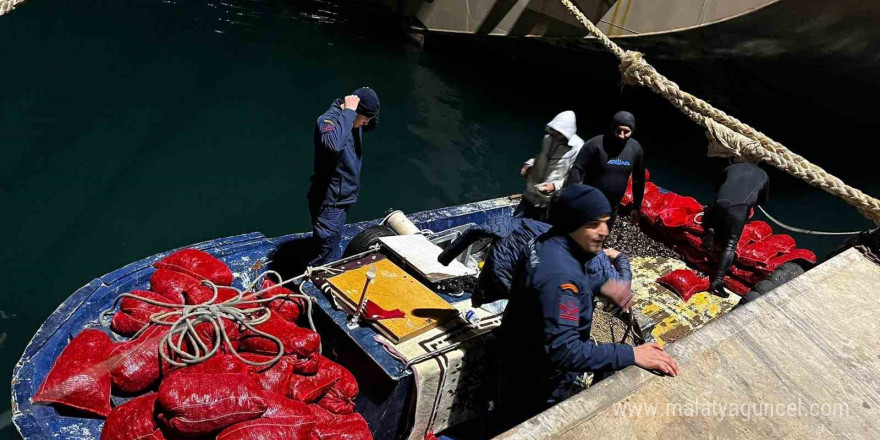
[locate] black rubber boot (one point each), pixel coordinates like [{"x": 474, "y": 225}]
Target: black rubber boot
[
  {"x": 727, "y": 254},
  {"x": 717, "y": 288}
]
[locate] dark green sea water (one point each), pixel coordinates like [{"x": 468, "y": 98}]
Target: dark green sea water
[{"x": 132, "y": 127}]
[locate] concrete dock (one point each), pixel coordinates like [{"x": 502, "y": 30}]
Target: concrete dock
[{"x": 801, "y": 362}]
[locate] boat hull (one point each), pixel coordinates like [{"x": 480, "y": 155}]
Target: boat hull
[{"x": 285, "y": 254}]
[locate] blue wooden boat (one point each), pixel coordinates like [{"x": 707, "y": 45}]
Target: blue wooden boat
[{"x": 385, "y": 383}]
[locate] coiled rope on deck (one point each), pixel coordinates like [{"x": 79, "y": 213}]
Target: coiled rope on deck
[
  {"x": 728, "y": 135},
  {"x": 246, "y": 309}
]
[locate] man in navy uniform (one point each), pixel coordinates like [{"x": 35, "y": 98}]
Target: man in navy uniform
[
  {"x": 545, "y": 332},
  {"x": 337, "y": 168}
]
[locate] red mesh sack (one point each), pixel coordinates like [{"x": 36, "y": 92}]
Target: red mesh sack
[
  {"x": 198, "y": 264},
  {"x": 736, "y": 286},
  {"x": 347, "y": 427},
  {"x": 276, "y": 428},
  {"x": 203, "y": 294},
  {"x": 756, "y": 231},
  {"x": 134, "y": 314},
  {"x": 275, "y": 378},
  {"x": 748, "y": 275},
  {"x": 335, "y": 402},
  {"x": 347, "y": 384},
  {"x": 280, "y": 406},
  {"x": 652, "y": 204},
  {"x": 781, "y": 242},
  {"x": 695, "y": 241},
  {"x": 628, "y": 194},
  {"x": 201, "y": 404},
  {"x": 305, "y": 365},
  {"x": 217, "y": 364},
  {"x": 79, "y": 378},
  {"x": 796, "y": 254},
  {"x": 173, "y": 285},
  {"x": 689, "y": 205},
  {"x": 134, "y": 365},
  {"x": 757, "y": 253},
  {"x": 321, "y": 414},
  {"x": 684, "y": 282},
  {"x": 133, "y": 420},
  {"x": 675, "y": 217},
  {"x": 205, "y": 332},
  {"x": 309, "y": 388},
  {"x": 330, "y": 377},
  {"x": 694, "y": 224},
  {"x": 339, "y": 398},
  {"x": 287, "y": 308},
  {"x": 299, "y": 341}
]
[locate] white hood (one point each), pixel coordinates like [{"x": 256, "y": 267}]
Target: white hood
[
  {"x": 565, "y": 123},
  {"x": 555, "y": 160}
]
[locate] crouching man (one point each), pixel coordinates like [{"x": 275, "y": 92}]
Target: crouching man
[{"x": 545, "y": 332}]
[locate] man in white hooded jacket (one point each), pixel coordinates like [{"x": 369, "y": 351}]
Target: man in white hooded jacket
[{"x": 546, "y": 174}]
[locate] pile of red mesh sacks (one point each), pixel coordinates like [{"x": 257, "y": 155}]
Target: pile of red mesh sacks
[
  {"x": 672, "y": 219},
  {"x": 302, "y": 396}
]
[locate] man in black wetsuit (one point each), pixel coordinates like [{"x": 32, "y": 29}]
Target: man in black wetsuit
[
  {"x": 606, "y": 162},
  {"x": 741, "y": 187}
]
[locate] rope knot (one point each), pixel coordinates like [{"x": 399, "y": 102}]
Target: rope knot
[
  {"x": 724, "y": 142},
  {"x": 634, "y": 68}
]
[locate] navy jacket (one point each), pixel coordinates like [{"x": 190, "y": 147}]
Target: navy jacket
[
  {"x": 545, "y": 331},
  {"x": 509, "y": 236},
  {"x": 337, "y": 168}
]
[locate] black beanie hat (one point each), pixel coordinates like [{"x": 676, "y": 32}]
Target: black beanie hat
[
  {"x": 623, "y": 118},
  {"x": 369, "y": 105},
  {"x": 578, "y": 205}
]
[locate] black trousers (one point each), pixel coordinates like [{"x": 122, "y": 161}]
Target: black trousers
[{"x": 727, "y": 222}]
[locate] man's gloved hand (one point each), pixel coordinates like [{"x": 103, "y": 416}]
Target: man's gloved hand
[
  {"x": 708, "y": 239},
  {"x": 445, "y": 258},
  {"x": 619, "y": 292}
]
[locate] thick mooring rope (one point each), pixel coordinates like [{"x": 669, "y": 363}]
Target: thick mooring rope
[{"x": 738, "y": 138}]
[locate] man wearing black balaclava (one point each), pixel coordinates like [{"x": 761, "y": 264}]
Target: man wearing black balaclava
[
  {"x": 741, "y": 186},
  {"x": 606, "y": 162}
]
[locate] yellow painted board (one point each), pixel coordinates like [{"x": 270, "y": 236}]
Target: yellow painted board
[
  {"x": 393, "y": 288},
  {"x": 673, "y": 317}
]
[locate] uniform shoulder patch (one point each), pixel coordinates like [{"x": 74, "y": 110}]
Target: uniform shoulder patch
[
  {"x": 570, "y": 287},
  {"x": 328, "y": 125},
  {"x": 569, "y": 310}
]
